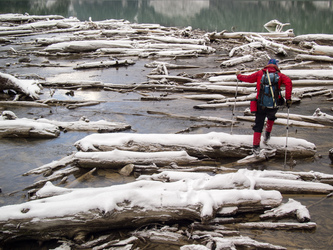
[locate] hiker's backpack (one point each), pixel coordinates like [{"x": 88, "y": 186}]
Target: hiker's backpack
[{"x": 269, "y": 90}]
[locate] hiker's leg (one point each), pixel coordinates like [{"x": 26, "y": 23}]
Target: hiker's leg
[
  {"x": 257, "y": 128},
  {"x": 269, "y": 124}
]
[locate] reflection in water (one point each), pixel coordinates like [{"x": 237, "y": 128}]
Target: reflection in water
[
  {"x": 306, "y": 17},
  {"x": 186, "y": 8}
]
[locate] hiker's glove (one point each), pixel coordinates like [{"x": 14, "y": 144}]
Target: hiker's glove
[
  {"x": 238, "y": 72},
  {"x": 288, "y": 103}
]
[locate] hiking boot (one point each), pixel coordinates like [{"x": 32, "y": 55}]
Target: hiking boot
[
  {"x": 267, "y": 137},
  {"x": 256, "y": 150}
]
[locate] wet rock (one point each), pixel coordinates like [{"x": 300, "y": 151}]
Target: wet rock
[
  {"x": 330, "y": 155},
  {"x": 127, "y": 170}
]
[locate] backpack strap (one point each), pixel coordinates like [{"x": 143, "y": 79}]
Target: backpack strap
[{"x": 271, "y": 89}]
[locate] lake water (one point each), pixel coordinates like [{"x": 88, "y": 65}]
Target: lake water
[{"x": 305, "y": 17}]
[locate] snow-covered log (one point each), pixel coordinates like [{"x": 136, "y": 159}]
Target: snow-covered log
[
  {"x": 214, "y": 145},
  {"x": 180, "y": 79},
  {"x": 155, "y": 64},
  {"x": 278, "y": 225},
  {"x": 119, "y": 158},
  {"x": 27, "y": 128},
  {"x": 105, "y": 64},
  {"x": 85, "y": 124},
  {"x": 317, "y": 117},
  {"x": 291, "y": 207},
  {"x": 282, "y": 121},
  {"x": 240, "y": 35},
  {"x": 72, "y": 211},
  {"x": 245, "y": 48},
  {"x": 87, "y": 46},
  {"x": 322, "y": 50},
  {"x": 238, "y": 243},
  {"x": 235, "y": 61},
  {"x": 171, "y": 53},
  {"x": 302, "y": 57},
  {"x": 279, "y": 48},
  {"x": 170, "y": 39},
  {"x": 202, "y": 49},
  {"x": 29, "y": 88},
  {"x": 245, "y": 179}
]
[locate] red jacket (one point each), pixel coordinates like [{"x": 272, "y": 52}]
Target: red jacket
[{"x": 256, "y": 77}]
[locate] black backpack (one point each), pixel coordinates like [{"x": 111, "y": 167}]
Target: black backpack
[{"x": 269, "y": 90}]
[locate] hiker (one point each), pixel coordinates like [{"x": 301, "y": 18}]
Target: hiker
[{"x": 266, "y": 90}]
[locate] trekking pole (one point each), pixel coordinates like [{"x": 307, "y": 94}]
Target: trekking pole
[
  {"x": 285, "y": 151},
  {"x": 233, "y": 110}
]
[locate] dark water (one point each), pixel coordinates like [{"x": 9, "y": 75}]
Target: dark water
[{"x": 305, "y": 17}]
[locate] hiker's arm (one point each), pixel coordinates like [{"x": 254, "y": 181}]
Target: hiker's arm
[
  {"x": 248, "y": 78},
  {"x": 289, "y": 86}
]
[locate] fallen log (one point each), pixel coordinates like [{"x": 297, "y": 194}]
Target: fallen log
[
  {"x": 85, "y": 124},
  {"x": 169, "y": 65},
  {"x": 29, "y": 88},
  {"x": 119, "y": 158},
  {"x": 322, "y": 50},
  {"x": 173, "y": 40},
  {"x": 23, "y": 104},
  {"x": 301, "y": 57},
  {"x": 241, "y": 242},
  {"x": 313, "y": 38},
  {"x": 292, "y": 207},
  {"x": 54, "y": 176},
  {"x": 221, "y": 105},
  {"x": 105, "y": 64},
  {"x": 235, "y": 61},
  {"x": 281, "y": 121},
  {"x": 179, "y": 79},
  {"x": 279, "y": 48},
  {"x": 120, "y": 206},
  {"x": 245, "y": 179},
  {"x": 212, "y": 145},
  {"x": 239, "y": 35},
  {"x": 245, "y": 48},
  {"x": 194, "y": 118},
  {"x": 51, "y": 167},
  {"x": 277, "y": 225},
  {"x": 26, "y": 128},
  {"x": 87, "y": 46}
]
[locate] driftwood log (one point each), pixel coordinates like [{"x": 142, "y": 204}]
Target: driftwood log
[
  {"x": 213, "y": 145},
  {"x": 129, "y": 212}
]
